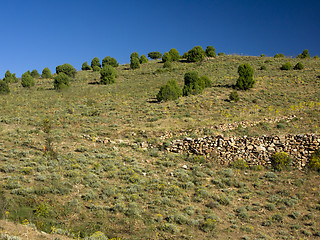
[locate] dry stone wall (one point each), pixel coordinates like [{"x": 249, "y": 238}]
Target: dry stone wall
[{"x": 255, "y": 150}]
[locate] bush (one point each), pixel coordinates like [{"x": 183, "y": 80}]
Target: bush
[
  {"x": 192, "y": 84},
  {"x": 155, "y": 55},
  {"x": 298, "y": 66},
  {"x": 245, "y": 80},
  {"x": 4, "y": 87},
  {"x": 167, "y": 65},
  {"x": 210, "y": 51},
  {"x": 85, "y": 67},
  {"x": 27, "y": 80},
  {"x": 286, "y": 66},
  {"x": 314, "y": 162},
  {"x": 110, "y": 61},
  {"x": 166, "y": 57},
  {"x": 175, "y": 56},
  {"x": 61, "y": 81},
  {"x": 67, "y": 69},
  {"x": 134, "y": 61},
  {"x": 95, "y": 62},
  {"x": 221, "y": 54},
  {"x": 108, "y": 75},
  {"x": 143, "y": 59},
  {"x": 8, "y": 77},
  {"x": 304, "y": 54},
  {"x": 46, "y": 73},
  {"x": 170, "y": 91},
  {"x": 262, "y": 55},
  {"x": 234, "y": 96},
  {"x": 280, "y": 161},
  {"x": 279, "y": 55},
  {"x": 96, "y": 69},
  {"x": 207, "y": 82},
  {"x": 263, "y": 67},
  {"x": 35, "y": 73},
  {"x": 196, "y": 54}
]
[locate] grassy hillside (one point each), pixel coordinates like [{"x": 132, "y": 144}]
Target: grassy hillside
[{"x": 130, "y": 192}]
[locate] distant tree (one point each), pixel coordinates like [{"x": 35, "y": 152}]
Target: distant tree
[
  {"x": 66, "y": 68},
  {"x": 166, "y": 57},
  {"x": 155, "y": 55},
  {"x": 298, "y": 66},
  {"x": 286, "y": 66},
  {"x": 192, "y": 84},
  {"x": 96, "y": 69},
  {"x": 61, "y": 81},
  {"x": 207, "y": 82},
  {"x": 15, "y": 79},
  {"x": 35, "y": 73},
  {"x": 143, "y": 59},
  {"x": 27, "y": 80},
  {"x": 4, "y": 87},
  {"x": 170, "y": 91},
  {"x": 279, "y": 55},
  {"x": 85, "y": 66},
  {"x": 167, "y": 64},
  {"x": 245, "y": 80},
  {"x": 8, "y": 77},
  {"x": 196, "y": 54},
  {"x": 210, "y": 51},
  {"x": 262, "y": 55},
  {"x": 221, "y": 54},
  {"x": 46, "y": 73},
  {"x": 110, "y": 61},
  {"x": 134, "y": 61},
  {"x": 304, "y": 54},
  {"x": 95, "y": 62},
  {"x": 108, "y": 75},
  {"x": 175, "y": 55}
]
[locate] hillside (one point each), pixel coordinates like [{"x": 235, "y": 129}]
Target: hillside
[{"x": 103, "y": 175}]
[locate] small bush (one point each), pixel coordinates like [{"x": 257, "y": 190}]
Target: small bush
[
  {"x": 175, "y": 55},
  {"x": 240, "y": 164},
  {"x": 234, "y": 96},
  {"x": 134, "y": 60},
  {"x": 304, "y": 54},
  {"x": 167, "y": 65},
  {"x": 110, "y": 61},
  {"x": 263, "y": 67},
  {"x": 170, "y": 91},
  {"x": 96, "y": 69},
  {"x": 262, "y": 55},
  {"x": 166, "y": 57},
  {"x": 35, "y": 73},
  {"x": 298, "y": 66},
  {"x": 192, "y": 84},
  {"x": 314, "y": 162},
  {"x": 4, "y": 87},
  {"x": 85, "y": 67},
  {"x": 196, "y": 54},
  {"x": 279, "y": 55},
  {"x": 95, "y": 62},
  {"x": 155, "y": 55},
  {"x": 245, "y": 80},
  {"x": 8, "y": 77},
  {"x": 108, "y": 75},
  {"x": 61, "y": 81},
  {"x": 210, "y": 51},
  {"x": 46, "y": 73},
  {"x": 143, "y": 59},
  {"x": 207, "y": 82},
  {"x": 280, "y": 161},
  {"x": 286, "y": 66},
  {"x": 67, "y": 69},
  {"x": 221, "y": 54},
  {"x": 27, "y": 80}
]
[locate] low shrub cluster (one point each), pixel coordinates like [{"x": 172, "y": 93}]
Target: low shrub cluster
[
  {"x": 170, "y": 91},
  {"x": 280, "y": 161}
]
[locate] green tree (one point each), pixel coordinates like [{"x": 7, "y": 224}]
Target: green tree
[
  {"x": 192, "y": 84},
  {"x": 304, "y": 54},
  {"x": 35, "y": 73},
  {"x": 143, "y": 59},
  {"x": 196, "y": 54},
  {"x": 85, "y": 66},
  {"x": 234, "y": 96},
  {"x": 27, "y": 80},
  {"x": 170, "y": 91},
  {"x": 286, "y": 66},
  {"x": 166, "y": 57},
  {"x": 298, "y": 66},
  {"x": 46, "y": 73},
  {"x": 279, "y": 55},
  {"x": 66, "y": 68},
  {"x": 210, "y": 51},
  {"x": 155, "y": 55},
  {"x": 15, "y": 79},
  {"x": 110, "y": 61},
  {"x": 95, "y": 62},
  {"x": 134, "y": 60},
  {"x": 4, "y": 87},
  {"x": 61, "y": 81},
  {"x": 175, "y": 55},
  {"x": 108, "y": 75},
  {"x": 245, "y": 80},
  {"x": 8, "y": 77}
]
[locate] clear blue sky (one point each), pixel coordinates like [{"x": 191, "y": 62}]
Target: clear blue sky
[{"x": 45, "y": 33}]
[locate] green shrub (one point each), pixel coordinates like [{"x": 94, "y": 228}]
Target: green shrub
[
  {"x": 210, "y": 51},
  {"x": 155, "y": 55},
  {"x": 298, "y": 66},
  {"x": 263, "y": 67},
  {"x": 175, "y": 56},
  {"x": 304, "y": 54},
  {"x": 95, "y": 62},
  {"x": 4, "y": 87},
  {"x": 286, "y": 66},
  {"x": 96, "y": 69},
  {"x": 207, "y": 82},
  {"x": 262, "y": 55},
  {"x": 27, "y": 80},
  {"x": 61, "y": 81},
  {"x": 170, "y": 91},
  {"x": 166, "y": 57},
  {"x": 85, "y": 67},
  {"x": 314, "y": 162},
  {"x": 35, "y": 73},
  {"x": 110, "y": 61},
  {"x": 108, "y": 75},
  {"x": 67, "y": 69},
  {"x": 46, "y": 73},
  {"x": 192, "y": 84},
  {"x": 167, "y": 65},
  {"x": 234, "y": 96},
  {"x": 239, "y": 164},
  {"x": 143, "y": 59},
  {"x": 221, "y": 54},
  {"x": 279, "y": 55},
  {"x": 134, "y": 60},
  {"x": 280, "y": 161},
  {"x": 245, "y": 80},
  {"x": 8, "y": 77},
  {"x": 196, "y": 54}
]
